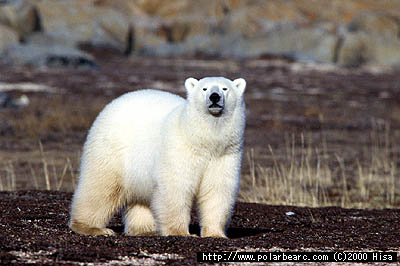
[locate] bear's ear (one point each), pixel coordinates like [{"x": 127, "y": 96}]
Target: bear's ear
[
  {"x": 190, "y": 84},
  {"x": 240, "y": 84}
]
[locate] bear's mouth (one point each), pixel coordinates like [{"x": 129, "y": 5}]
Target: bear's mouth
[{"x": 215, "y": 109}]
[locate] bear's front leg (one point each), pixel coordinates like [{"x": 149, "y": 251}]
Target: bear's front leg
[
  {"x": 173, "y": 197},
  {"x": 217, "y": 195},
  {"x": 172, "y": 210}
]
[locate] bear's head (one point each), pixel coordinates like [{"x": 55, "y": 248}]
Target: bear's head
[{"x": 215, "y": 95}]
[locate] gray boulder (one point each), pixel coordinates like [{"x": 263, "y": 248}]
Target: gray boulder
[
  {"x": 309, "y": 44},
  {"x": 7, "y": 101},
  {"x": 306, "y": 44},
  {"x": 77, "y": 21},
  {"x": 360, "y": 48},
  {"x": 53, "y": 55},
  {"x": 8, "y": 37},
  {"x": 379, "y": 23},
  {"x": 21, "y": 16}
]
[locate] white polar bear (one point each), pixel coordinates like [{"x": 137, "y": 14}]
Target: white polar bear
[{"x": 154, "y": 153}]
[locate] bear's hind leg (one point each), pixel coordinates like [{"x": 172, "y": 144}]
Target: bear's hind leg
[
  {"x": 92, "y": 208},
  {"x": 139, "y": 221},
  {"x": 84, "y": 229}
]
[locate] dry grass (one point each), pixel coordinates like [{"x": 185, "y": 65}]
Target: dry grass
[
  {"x": 9, "y": 180},
  {"x": 314, "y": 176},
  {"x": 56, "y": 115},
  {"x": 304, "y": 175},
  {"x": 45, "y": 172}
]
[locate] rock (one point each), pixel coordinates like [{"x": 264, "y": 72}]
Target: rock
[
  {"x": 260, "y": 11},
  {"x": 113, "y": 30},
  {"x": 168, "y": 22},
  {"x": 361, "y": 48},
  {"x": 301, "y": 44},
  {"x": 127, "y": 7},
  {"x": 7, "y": 101},
  {"x": 247, "y": 21},
  {"x": 242, "y": 28},
  {"x": 48, "y": 55},
  {"x": 151, "y": 44},
  {"x": 177, "y": 20},
  {"x": 379, "y": 22},
  {"x": 309, "y": 44},
  {"x": 386, "y": 52},
  {"x": 22, "y": 101},
  {"x": 20, "y": 15},
  {"x": 8, "y": 37},
  {"x": 208, "y": 45},
  {"x": 165, "y": 9},
  {"x": 372, "y": 38},
  {"x": 353, "y": 51},
  {"x": 232, "y": 28},
  {"x": 80, "y": 21},
  {"x": 252, "y": 18},
  {"x": 338, "y": 11},
  {"x": 66, "y": 21}
]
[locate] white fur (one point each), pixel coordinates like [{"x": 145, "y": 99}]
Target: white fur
[{"x": 154, "y": 153}]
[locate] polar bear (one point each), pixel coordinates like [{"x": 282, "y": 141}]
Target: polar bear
[{"x": 155, "y": 153}]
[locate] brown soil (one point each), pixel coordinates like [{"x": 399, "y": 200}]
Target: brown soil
[{"x": 33, "y": 229}]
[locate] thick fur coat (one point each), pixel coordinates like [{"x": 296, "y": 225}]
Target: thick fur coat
[{"x": 155, "y": 153}]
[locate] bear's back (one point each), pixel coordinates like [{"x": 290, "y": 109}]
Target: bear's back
[
  {"x": 136, "y": 112},
  {"x": 128, "y": 130}
]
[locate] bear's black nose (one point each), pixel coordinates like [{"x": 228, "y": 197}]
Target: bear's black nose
[{"x": 214, "y": 97}]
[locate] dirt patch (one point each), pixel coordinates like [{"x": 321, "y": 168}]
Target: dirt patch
[{"x": 33, "y": 229}]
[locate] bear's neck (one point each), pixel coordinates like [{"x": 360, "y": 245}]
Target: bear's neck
[{"x": 206, "y": 129}]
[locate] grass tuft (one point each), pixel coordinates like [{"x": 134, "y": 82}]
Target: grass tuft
[{"x": 311, "y": 175}]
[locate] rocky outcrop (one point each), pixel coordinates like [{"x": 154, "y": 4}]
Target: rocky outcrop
[
  {"x": 48, "y": 55},
  {"x": 360, "y": 48},
  {"x": 50, "y": 32},
  {"x": 20, "y": 15},
  {"x": 80, "y": 21},
  {"x": 310, "y": 44},
  {"x": 371, "y": 37},
  {"x": 379, "y": 23},
  {"x": 347, "y": 32},
  {"x": 8, "y": 37}
]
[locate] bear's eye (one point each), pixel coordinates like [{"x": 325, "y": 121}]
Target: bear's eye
[
  {"x": 225, "y": 89},
  {"x": 204, "y": 89}
]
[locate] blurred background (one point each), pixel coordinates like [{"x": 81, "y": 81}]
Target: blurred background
[
  {"x": 323, "y": 96},
  {"x": 344, "y": 32}
]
